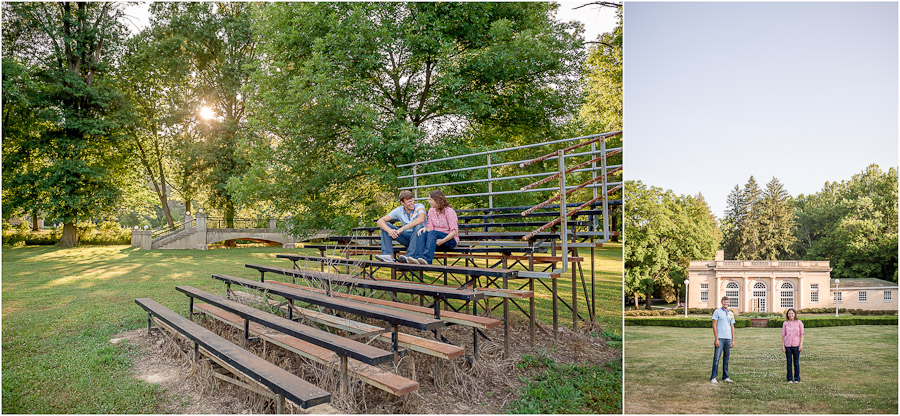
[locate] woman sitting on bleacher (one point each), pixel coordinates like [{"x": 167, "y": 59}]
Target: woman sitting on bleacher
[{"x": 441, "y": 228}]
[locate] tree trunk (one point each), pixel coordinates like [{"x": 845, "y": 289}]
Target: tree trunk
[
  {"x": 649, "y": 301},
  {"x": 69, "y": 236},
  {"x": 187, "y": 206},
  {"x": 34, "y": 221},
  {"x": 229, "y": 222},
  {"x": 636, "y": 304}
]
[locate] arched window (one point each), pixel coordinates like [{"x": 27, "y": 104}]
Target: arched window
[
  {"x": 787, "y": 295},
  {"x": 759, "y": 302},
  {"x": 732, "y": 290}
]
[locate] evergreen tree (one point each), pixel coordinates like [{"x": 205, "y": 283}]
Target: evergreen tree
[
  {"x": 735, "y": 216},
  {"x": 775, "y": 223},
  {"x": 748, "y": 232}
]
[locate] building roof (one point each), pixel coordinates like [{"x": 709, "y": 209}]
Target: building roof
[{"x": 861, "y": 282}]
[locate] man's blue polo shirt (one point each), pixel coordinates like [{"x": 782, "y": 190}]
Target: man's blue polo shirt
[
  {"x": 724, "y": 319},
  {"x": 404, "y": 217}
]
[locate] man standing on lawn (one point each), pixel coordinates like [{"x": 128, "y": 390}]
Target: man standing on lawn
[
  {"x": 412, "y": 217},
  {"x": 723, "y": 332}
]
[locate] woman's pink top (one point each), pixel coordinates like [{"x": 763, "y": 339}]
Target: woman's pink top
[
  {"x": 791, "y": 331},
  {"x": 443, "y": 221}
]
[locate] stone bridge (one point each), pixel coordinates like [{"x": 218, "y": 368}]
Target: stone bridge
[{"x": 193, "y": 233}]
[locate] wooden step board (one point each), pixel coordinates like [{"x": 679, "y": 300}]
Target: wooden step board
[
  {"x": 425, "y": 346},
  {"x": 340, "y": 345},
  {"x": 396, "y": 286},
  {"x": 479, "y": 322},
  {"x": 371, "y": 375},
  {"x": 489, "y": 292},
  {"x": 281, "y": 382},
  {"x": 390, "y": 316}
]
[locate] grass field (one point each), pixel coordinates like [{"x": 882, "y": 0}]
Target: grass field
[
  {"x": 61, "y": 307},
  {"x": 851, "y": 369}
]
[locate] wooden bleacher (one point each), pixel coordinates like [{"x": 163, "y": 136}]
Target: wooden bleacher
[
  {"x": 342, "y": 346},
  {"x": 374, "y": 376},
  {"x": 283, "y": 384}
]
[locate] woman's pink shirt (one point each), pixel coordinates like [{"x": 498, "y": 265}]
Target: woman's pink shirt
[
  {"x": 791, "y": 331},
  {"x": 443, "y": 221}
]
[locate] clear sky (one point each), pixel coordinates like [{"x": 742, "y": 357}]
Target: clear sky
[{"x": 716, "y": 92}]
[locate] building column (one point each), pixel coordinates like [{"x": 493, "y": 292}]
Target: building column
[
  {"x": 745, "y": 301},
  {"x": 799, "y": 301},
  {"x": 772, "y": 292},
  {"x": 715, "y": 300}
]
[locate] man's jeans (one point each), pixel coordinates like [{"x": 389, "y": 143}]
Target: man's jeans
[
  {"x": 724, "y": 347},
  {"x": 793, "y": 357},
  {"x": 407, "y": 238}
]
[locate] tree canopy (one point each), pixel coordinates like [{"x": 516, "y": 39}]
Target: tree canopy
[
  {"x": 347, "y": 91},
  {"x": 663, "y": 233},
  {"x": 65, "y": 159}
]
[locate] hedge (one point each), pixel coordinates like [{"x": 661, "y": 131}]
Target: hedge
[
  {"x": 850, "y": 320},
  {"x": 681, "y": 322}
]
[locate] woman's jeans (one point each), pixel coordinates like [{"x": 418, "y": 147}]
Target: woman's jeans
[
  {"x": 430, "y": 245},
  {"x": 793, "y": 356},
  {"x": 724, "y": 348}
]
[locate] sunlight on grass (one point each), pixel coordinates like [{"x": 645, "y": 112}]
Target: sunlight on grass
[{"x": 61, "y": 306}]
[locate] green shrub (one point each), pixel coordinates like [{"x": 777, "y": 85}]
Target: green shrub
[
  {"x": 840, "y": 321},
  {"x": 105, "y": 233},
  {"x": 681, "y": 322},
  {"x": 858, "y": 312}
]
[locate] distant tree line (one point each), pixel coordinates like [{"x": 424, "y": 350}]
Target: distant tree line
[
  {"x": 663, "y": 233},
  {"x": 852, "y": 224},
  {"x": 276, "y": 109}
]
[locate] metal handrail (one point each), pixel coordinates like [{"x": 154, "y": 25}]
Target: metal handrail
[
  {"x": 494, "y": 165},
  {"x": 527, "y": 146},
  {"x": 502, "y": 178}
]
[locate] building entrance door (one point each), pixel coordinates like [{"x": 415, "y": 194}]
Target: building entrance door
[{"x": 759, "y": 301}]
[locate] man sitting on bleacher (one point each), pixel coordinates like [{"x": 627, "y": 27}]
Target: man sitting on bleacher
[{"x": 412, "y": 217}]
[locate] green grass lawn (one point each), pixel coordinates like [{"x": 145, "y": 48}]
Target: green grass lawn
[
  {"x": 850, "y": 369},
  {"x": 61, "y": 307}
]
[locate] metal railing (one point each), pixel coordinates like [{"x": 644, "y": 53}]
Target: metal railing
[
  {"x": 512, "y": 182},
  {"x": 237, "y": 223}
]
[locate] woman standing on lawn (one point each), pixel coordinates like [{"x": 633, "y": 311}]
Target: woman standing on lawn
[
  {"x": 442, "y": 227},
  {"x": 792, "y": 344}
]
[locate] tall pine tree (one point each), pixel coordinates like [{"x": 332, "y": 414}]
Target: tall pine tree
[
  {"x": 775, "y": 223},
  {"x": 748, "y": 233}
]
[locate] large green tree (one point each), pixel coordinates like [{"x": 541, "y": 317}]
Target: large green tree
[
  {"x": 663, "y": 232},
  {"x": 69, "y": 164},
  {"x": 347, "y": 91},
  {"x": 216, "y": 45},
  {"x": 602, "y": 110},
  {"x": 853, "y": 224}
]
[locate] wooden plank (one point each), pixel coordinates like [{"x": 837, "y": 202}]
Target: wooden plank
[
  {"x": 469, "y": 271},
  {"x": 370, "y": 311},
  {"x": 412, "y": 342},
  {"x": 479, "y": 322},
  {"x": 340, "y": 345},
  {"x": 295, "y": 389},
  {"x": 371, "y": 375},
  {"x": 374, "y": 284}
]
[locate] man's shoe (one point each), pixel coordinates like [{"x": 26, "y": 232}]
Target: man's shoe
[
  {"x": 790, "y": 381},
  {"x": 403, "y": 259},
  {"x": 714, "y": 381},
  {"x": 387, "y": 258},
  {"x": 422, "y": 261},
  {"x": 729, "y": 380},
  {"x": 796, "y": 381}
]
